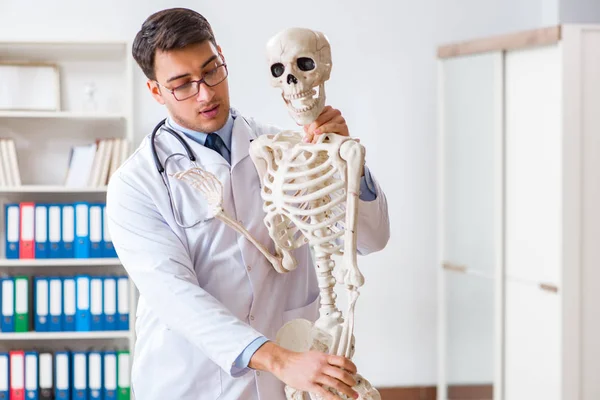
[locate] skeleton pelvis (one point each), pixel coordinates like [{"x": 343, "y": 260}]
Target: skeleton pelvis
[{"x": 302, "y": 335}]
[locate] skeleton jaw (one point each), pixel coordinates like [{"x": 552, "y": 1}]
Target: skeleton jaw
[{"x": 305, "y": 106}]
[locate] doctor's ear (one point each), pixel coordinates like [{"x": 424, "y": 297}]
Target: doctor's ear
[
  {"x": 220, "y": 52},
  {"x": 155, "y": 91}
]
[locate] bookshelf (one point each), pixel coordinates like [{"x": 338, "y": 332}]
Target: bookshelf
[
  {"x": 64, "y": 262},
  {"x": 40, "y": 336},
  {"x": 43, "y": 141},
  {"x": 66, "y": 115},
  {"x": 56, "y": 189}
]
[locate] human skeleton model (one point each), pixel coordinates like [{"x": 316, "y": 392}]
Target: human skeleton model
[{"x": 310, "y": 193}]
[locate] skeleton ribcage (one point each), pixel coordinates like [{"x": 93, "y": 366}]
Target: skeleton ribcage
[{"x": 304, "y": 200}]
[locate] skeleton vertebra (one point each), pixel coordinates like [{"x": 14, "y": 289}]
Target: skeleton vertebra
[{"x": 310, "y": 194}]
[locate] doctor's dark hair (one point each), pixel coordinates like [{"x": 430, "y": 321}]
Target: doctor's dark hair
[{"x": 169, "y": 29}]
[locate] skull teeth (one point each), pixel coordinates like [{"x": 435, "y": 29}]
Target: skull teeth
[
  {"x": 296, "y": 96},
  {"x": 305, "y": 108},
  {"x": 306, "y": 99}
]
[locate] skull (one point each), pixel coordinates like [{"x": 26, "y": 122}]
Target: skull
[{"x": 300, "y": 63}]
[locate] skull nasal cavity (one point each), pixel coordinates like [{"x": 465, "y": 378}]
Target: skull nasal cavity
[{"x": 291, "y": 79}]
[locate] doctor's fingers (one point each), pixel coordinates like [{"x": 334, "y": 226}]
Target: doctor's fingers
[
  {"x": 341, "y": 362},
  {"x": 308, "y": 135},
  {"x": 339, "y": 128},
  {"x": 323, "y": 394},
  {"x": 328, "y": 381},
  {"x": 340, "y": 375},
  {"x": 326, "y": 115}
]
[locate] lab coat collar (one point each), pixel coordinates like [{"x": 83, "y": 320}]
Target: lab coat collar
[
  {"x": 170, "y": 145},
  {"x": 240, "y": 144},
  {"x": 240, "y": 141},
  {"x": 200, "y": 137}
]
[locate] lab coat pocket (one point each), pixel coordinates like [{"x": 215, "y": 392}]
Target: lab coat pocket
[
  {"x": 309, "y": 312},
  {"x": 208, "y": 384},
  {"x": 178, "y": 357}
]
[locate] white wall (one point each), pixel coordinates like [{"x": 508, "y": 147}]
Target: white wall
[
  {"x": 384, "y": 82},
  {"x": 579, "y": 11},
  {"x": 466, "y": 19}
]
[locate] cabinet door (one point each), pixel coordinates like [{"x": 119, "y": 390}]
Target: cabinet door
[
  {"x": 532, "y": 343},
  {"x": 470, "y": 336},
  {"x": 533, "y": 165},
  {"x": 471, "y": 125},
  {"x": 471, "y": 118}
]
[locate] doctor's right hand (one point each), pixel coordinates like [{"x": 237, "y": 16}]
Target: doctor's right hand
[{"x": 308, "y": 371}]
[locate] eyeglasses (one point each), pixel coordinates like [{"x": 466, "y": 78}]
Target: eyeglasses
[{"x": 191, "y": 89}]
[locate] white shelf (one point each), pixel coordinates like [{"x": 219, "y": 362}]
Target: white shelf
[
  {"x": 67, "y": 115},
  {"x": 43, "y": 141},
  {"x": 51, "y": 189},
  {"x": 60, "y": 262},
  {"x": 65, "y": 335},
  {"x": 53, "y": 51}
]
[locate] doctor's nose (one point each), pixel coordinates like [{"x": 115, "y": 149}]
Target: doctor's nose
[{"x": 205, "y": 93}]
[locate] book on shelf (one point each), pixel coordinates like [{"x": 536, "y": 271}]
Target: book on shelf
[
  {"x": 65, "y": 303},
  {"x": 93, "y": 164},
  {"x": 38, "y": 373},
  {"x": 9, "y": 167},
  {"x": 57, "y": 230}
]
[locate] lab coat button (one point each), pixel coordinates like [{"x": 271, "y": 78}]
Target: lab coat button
[
  {"x": 249, "y": 268},
  {"x": 258, "y": 373},
  {"x": 252, "y": 318}
]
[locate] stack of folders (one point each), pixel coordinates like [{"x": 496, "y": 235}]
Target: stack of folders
[
  {"x": 65, "y": 375},
  {"x": 60, "y": 304},
  {"x": 71, "y": 230},
  {"x": 9, "y": 167},
  {"x": 93, "y": 165}
]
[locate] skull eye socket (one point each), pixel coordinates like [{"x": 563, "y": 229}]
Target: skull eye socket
[
  {"x": 277, "y": 70},
  {"x": 305, "y": 64}
]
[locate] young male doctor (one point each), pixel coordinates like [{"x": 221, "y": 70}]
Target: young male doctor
[{"x": 210, "y": 304}]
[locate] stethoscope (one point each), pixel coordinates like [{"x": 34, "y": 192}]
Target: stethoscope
[
  {"x": 163, "y": 125},
  {"x": 161, "y": 169}
]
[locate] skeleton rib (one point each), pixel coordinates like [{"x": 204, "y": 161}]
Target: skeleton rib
[
  {"x": 322, "y": 224},
  {"x": 308, "y": 172},
  {"x": 312, "y": 211},
  {"x": 316, "y": 195},
  {"x": 318, "y": 181},
  {"x": 297, "y": 160},
  {"x": 316, "y": 241}
]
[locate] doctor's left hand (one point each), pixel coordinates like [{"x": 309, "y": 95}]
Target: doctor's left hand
[
  {"x": 307, "y": 371},
  {"x": 329, "y": 121}
]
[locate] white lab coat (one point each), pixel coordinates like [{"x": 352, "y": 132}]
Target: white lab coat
[{"x": 206, "y": 292}]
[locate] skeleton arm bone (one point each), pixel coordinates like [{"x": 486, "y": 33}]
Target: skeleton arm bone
[
  {"x": 275, "y": 261},
  {"x": 373, "y": 225},
  {"x": 353, "y": 154},
  {"x": 210, "y": 187}
]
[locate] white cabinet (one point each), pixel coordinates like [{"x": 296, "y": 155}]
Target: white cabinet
[
  {"x": 533, "y": 138},
  {"x": 470, "y": 153},
  {"x": 532, "y": 343},
  {"x": 519, "y": 184}
]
